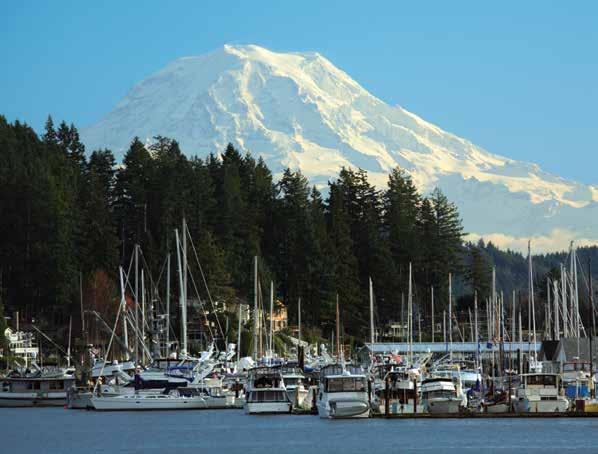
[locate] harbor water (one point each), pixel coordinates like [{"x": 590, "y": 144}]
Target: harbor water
[{"x": 57, "y": 430}]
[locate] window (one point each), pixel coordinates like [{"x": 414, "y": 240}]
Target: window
[{"x": 56, "y": 384}]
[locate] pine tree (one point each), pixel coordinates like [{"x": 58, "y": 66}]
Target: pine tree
[
  {"x": 401, "y": 210},
  {"x": 101, "y": 243},
  {"x": 133, "y": 186}
]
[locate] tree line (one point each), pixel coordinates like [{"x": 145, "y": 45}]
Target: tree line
[{"x": 69, "y": 218}]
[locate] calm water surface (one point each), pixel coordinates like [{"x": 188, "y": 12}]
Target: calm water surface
[{"x": 56, "y": 430}]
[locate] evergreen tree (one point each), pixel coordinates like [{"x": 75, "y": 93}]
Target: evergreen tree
[
  {"x": 401, "y": 211},
  {"x": 101, "y": 243}
]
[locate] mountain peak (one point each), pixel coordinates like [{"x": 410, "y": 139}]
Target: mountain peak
[{"x": 299, "y": 110}]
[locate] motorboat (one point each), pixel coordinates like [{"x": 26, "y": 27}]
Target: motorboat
[
  {"x": 440, "y": 395},
  {"x": 266, "y": 392},
  {"x": 44, "y": 388},
  {"x": 540, "y": 393},
  {"x": 343, "y": 392}
]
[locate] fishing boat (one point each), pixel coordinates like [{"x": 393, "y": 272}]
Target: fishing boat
[
  {"x": 343, "y": 392},
  {"x": 266, "y": 392},
  {"x": 440, "y": 396},
  {"x": 539, "y": 393},
  {"x": 41, "y": 389}
]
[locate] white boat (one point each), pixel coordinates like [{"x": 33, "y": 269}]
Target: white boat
[
  {"x": 294, "y": 379},
  {"x": 148, "y": 402},
  {"x": 343, "y": 393},
  {"x": 439, "y": 396},
  {"x": 266, "y": 392},
  {"x": 540, "y": 393},
  {"x": 39, "y": 390},
  {"x": 114, "y": 368}
]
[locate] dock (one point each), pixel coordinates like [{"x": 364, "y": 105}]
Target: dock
[{"x": 466, "y": 415}]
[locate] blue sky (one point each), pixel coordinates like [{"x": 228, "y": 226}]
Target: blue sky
[{"x": 517, "y": 78}]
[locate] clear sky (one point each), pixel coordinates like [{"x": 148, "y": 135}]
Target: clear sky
[{"x": 519, "y": 78}]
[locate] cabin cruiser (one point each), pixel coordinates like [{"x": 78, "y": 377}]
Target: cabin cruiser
[
  {"x": 266, "y": 392},
  {"x": 343, "y": 392},
  {"x": 539, "y": 393},
  {"x": 441, "y": 395},
  {"x": 44, "y": 388}
]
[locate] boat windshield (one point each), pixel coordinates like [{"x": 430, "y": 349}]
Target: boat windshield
[
  {"x": 267, "y": 396},
  {"x": 542, "y": 380},
  {"x": 345, "y": 384},
  {"x": 291, "y": 381},
  {"x": 572, "y": 367},
  {"x": 439, "y": 393}
]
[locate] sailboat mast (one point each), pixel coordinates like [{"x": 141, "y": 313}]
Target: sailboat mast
[
  {"x": 410, "y": 315},
  {"x": 433, "y": 327},
  {"x": 564, "y": 301},
  {"x": 591, "y": 321},
  {"x": 557, "y": 328},
  {"x": 299, "y": 319},
  {"x": 168, "y": 305},
  {"x": 338, "y": 322},
  {"x": 531, "y": 296},
  {"x": 182, "y": 300},
  {"x": 68, "y": 349},
  {"x": 372, "y": 334},
  {"x": 123, "y": 301},
  {"x": 255, "y": 309},
  {"x": 136, "y": 304},
  {"x": 84, "y": 334},
  {"x": 142, "y": 316},
  {"x": 475, "y": 321},
  {"x": 271, "y": 346},
  {"x": 239, "y": 336},
  {"x": 450, "y": 315}
]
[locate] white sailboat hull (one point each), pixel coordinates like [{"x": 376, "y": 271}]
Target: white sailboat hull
[{"x": 135, "y": 403}]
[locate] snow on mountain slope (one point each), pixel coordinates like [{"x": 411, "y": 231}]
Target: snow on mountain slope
[{"x": 299, "y": 110}]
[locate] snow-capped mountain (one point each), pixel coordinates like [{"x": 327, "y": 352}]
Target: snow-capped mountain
[{"x": 299, "y": 110}]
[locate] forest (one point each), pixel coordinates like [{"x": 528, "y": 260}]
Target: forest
[{"x": 69, "y": 217}]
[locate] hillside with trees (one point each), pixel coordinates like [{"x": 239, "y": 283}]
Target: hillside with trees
[{"x": 69, "y": 217}]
